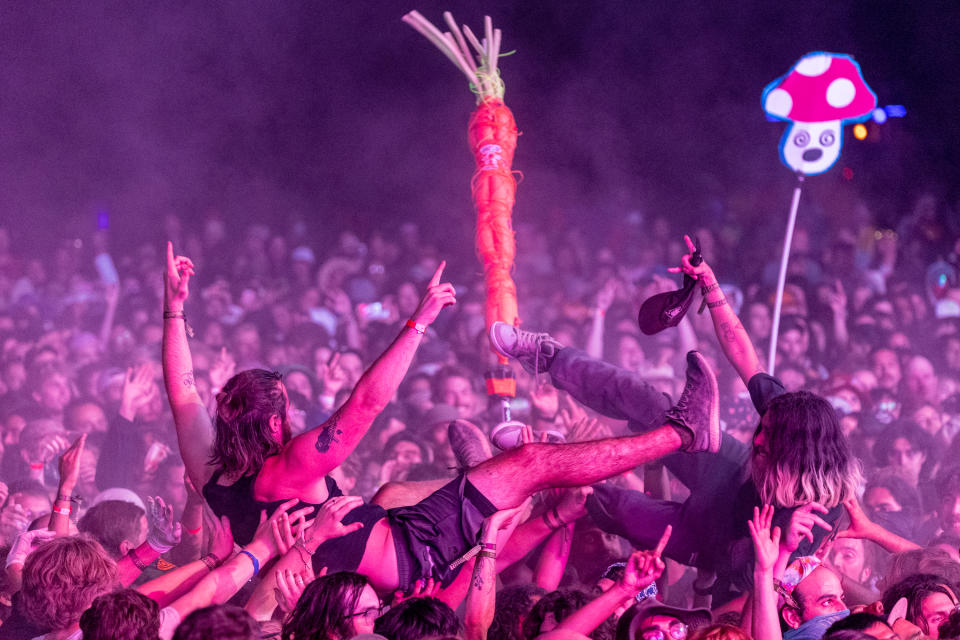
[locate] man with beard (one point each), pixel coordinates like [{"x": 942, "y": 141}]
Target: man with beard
[{"x": 798, "y": 455}]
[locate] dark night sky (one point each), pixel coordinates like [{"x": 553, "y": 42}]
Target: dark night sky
[{"x": 339, "y": 109}]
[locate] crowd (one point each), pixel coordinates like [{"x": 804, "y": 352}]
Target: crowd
[{"x": 238, "y": 438}]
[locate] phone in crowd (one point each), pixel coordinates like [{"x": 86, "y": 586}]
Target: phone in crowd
[
  {"x": 373, "y": 311},
  {"x": 106, "y": 269}
]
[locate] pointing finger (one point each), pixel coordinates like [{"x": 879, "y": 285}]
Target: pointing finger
[
  {"x": 692, "y": 247},
  {"x": 435, "y": 280},
  {"x": 663, "y": 540}
]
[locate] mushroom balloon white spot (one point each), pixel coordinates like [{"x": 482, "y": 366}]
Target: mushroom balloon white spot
[
  {"x": 779, "y": 103},
  {"x": 840, "y": 93},
  {"x": 814, "y": 65}
]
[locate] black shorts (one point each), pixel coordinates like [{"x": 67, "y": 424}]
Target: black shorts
[{"x": 432, "y": 534}]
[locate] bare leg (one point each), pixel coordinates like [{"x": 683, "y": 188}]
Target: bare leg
[
  {"x": 509, "y": 478},
  {"x": 405, "y": 494}
]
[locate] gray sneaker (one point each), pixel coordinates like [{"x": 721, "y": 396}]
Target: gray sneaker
[
  {"x": 698, "y": 409},
  {"x": 534, "y": 351}
]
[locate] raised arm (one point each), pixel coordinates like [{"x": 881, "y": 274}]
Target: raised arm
[
  {"x": 481, "y": 595},
  {"x": 732, "y": 336},
  {"x": 864, "y": 528},
  {"x": 320, "y": 450},
  {"x": 643, "y": 569},
  {"x": 194, "y": 429},
  {"x": 760, "y": 617}
]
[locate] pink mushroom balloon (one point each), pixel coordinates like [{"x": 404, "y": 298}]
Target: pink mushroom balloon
[{"x": 818, "y": 96}]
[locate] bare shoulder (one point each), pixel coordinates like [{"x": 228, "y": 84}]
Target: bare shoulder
[{"x": 276, "y": 482}]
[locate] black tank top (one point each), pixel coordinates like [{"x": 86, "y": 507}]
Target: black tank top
[{"x": 236, "y": 501}]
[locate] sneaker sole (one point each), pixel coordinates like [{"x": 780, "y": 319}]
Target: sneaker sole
[
  {"x": 713, "y": 433},
  {"x": 507, "y": 435},
  {"x": 491, "y": 335}
]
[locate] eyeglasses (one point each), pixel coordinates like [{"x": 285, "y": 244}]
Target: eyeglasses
[
  {"x": 371, "y": 614},
  {"x": 677, "y": 631}
]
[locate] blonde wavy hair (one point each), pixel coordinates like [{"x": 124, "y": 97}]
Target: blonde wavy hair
[
  {"x": 62, "y": 578},
  {"x": 808, "y": 457}
]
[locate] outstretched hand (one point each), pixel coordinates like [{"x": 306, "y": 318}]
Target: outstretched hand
[
  {"x": 802, "y": 523},
  {"x": 428, "y": 588},
  {"x": 163, "y": 533},
  {"x": 437, "y": 296},
  {"x": 766, "y": 542},
  {"x": 701, "y": 271},
  {"x": 176, "y": 280},
  {"x": 70, "y": 465},
  {"x": 643, "y": 568},
  {"x": 861, "y": 525},
  {"x": 328, "y": 523}
]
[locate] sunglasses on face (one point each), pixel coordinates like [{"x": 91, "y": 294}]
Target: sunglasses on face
[{"x": 677, "y": 631}]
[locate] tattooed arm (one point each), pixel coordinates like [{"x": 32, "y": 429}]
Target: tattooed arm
[
  {"x": 315, "y": 453},
  {"x": 481, "y": 594},
  {"x": 194, "y": 430},
  {"x": 732, "y": 336}
]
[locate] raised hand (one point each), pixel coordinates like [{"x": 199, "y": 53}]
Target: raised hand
[
  {"x": 221, "y": 535},
  {"x": 801, "y": 525},
  {"x": 643, "y": 568},
  {"x": 545, "y": 400},
  {"x": 766, "y": 543},
  {"x": 860, "y": 525},
  {"x": 26, "y": 543},
  {"x": 328, "y": 523},
  {"x": 587, "y": 429},
  {"x": 573, "y": 503},
  {"x": 139, "y": 388},
  {"x": 287, "y": 528},
  {"x": 164, "y": 532},
  {"x": 428, "y": 588},
  {"x": 70, "y": 465},
  {"x": 176, "y": 280},
  {"x": 222, "y": 369},
  {"x": 505, "y": 518},
  {"x": 290, "y": 586},
  {"x": 333, "y": 376},
  {"x": 571, "y": 413},
  {"x": 267, "y": 531},
  {"x": 836, "y": 298},
  {"x": 436, "y": 298},
  {"x": 607, "y": 294},
  {"x": 49, "y": 447},
  {"x": 702, "y": 270}
]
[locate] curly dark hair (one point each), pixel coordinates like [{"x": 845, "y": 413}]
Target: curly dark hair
[
  {"x": 418, "y": 618},
  {"x": 319, "y": 614},
  {"x": 244, "y": 407},
  {"x": 222, "y": 621},
  {"x": 62, "y": 578},
  {"x": 560, "y": 603},
  {"x": 513, "y": 606},
  {"x": 125, "y": 614},
  {"x": 915, "y": 588}
]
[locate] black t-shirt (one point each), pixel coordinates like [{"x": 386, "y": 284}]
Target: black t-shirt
[{"x": 236, "y": 501}]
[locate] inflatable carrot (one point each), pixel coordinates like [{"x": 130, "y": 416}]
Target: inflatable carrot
[{"x": 492, "y": 134}]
